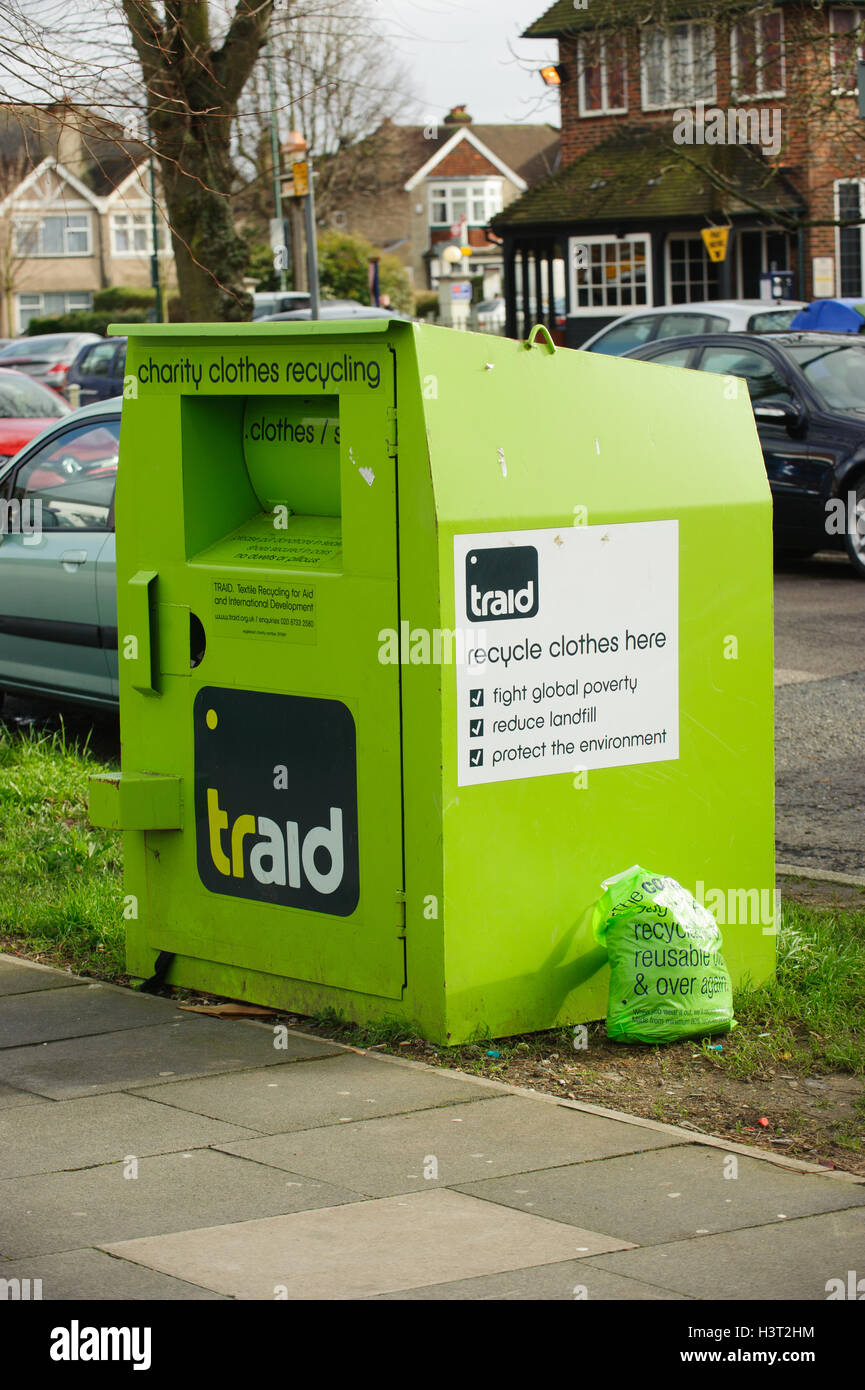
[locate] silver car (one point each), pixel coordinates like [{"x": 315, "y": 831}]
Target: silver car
[
  {"x": 58, "y": 600},
  {"x": 645, "y": 325}
]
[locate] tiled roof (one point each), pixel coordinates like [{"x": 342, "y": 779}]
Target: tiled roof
[
  {"x": 643, "y": 174},
  {"x": 530, "y": 150},
  {"x": 90, "y": 147},
  {"x": 564, "y": 18}
]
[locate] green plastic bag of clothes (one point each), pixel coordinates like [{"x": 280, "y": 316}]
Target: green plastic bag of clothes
[{"x": 668, "y": 979}]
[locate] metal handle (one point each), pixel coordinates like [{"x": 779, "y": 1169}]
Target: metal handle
[
  {"x": 73, "y": 557},
  {"x": 540, "y": 328}
]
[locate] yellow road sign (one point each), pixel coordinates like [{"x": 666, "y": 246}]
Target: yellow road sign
[
  {"x": 300, "y": 170},
  {"x": 715, "y": 240}
]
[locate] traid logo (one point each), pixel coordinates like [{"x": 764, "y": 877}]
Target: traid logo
[
  {"x": 501, "y": 583},
  {"x": 276, "y": 799}
]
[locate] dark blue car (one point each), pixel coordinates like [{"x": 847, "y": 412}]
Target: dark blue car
[
  {"x": 807, "y": 392},
  {"x": 97, "y": 371}
]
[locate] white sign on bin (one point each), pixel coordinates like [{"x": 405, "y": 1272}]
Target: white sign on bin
[{"x": 570, "y": 642}]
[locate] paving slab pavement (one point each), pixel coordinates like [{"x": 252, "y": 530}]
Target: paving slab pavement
[
  {"x": 491, "y": 1137},
  {"x": 551, "y": 1283},
  {"x": 100, "y": 1129},
  {"x": 192, "y": 1046},
  {"x": 51, "y": 1015},
  {"x": 363, "y": 1249},
  {"x": 787, "y": 1260},
  {"x": 337, "y": 1090},
  {"x": 50, "y": 1213},
  {"x": 20, "y": 976},
  {"x": 155, "y": 1154},
  {"x": 79, "y": 1275},
  {"x": 682, "y": 1192}
]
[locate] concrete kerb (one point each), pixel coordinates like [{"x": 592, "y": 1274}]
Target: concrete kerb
[
  {"x": 687, "y": 1136},
  {"x": 818, "y": 875}
]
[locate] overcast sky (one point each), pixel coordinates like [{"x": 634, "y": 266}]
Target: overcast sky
[{"x": 462, "y": 52}]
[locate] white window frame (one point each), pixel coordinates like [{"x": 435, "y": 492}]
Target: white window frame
[
  {"x": 682, "y": 98},
  {"x": 836, "y": 90},
  {"x": 757, "y": 21},
  {"x": 38, "y": 312},
  {"x": 668, "y": 270},
  {"x": 39, "y": 222},
  {"x": 131, "y": 213},
  {"x": 577, "y": 310},
  {"x": 452, "y": 188},
  {"x": 836, "y": 191},
  {"x": 605, "y": 109}
]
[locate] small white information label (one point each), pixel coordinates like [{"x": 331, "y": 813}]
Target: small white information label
[{"x": 571, "y": 642}]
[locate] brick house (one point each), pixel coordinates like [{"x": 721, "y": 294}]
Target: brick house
[
  {"x": 685, "y": 115},
  {"x": 75, "y": 212},
  {"x": 413, "y": 190}
]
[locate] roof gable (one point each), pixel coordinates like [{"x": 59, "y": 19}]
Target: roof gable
[
  {"x": 465, "y": 134},
  {"x": 45, "y": 186}
]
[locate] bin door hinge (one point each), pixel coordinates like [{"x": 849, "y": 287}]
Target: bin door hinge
[
  {"x": 390, "y": 435},
  {"x": 400, "y": 913}
]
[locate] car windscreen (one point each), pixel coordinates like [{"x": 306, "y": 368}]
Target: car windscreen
[
  {"x": 27, "y": 400},
  {"x": 836, "y": 372},
  {"x": 35, "y": 347},
  {"x": 772, "y": 320}
]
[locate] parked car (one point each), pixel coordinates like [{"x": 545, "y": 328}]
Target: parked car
[
  {"x": 58, "y": 601},
  {"x": 334, "y": 309},
  {"x": 46, "y": 358},
  {"x": 705, "y": 316},
  {"x": 278, "y": 302},
  {"x": 808, "y": 395},
  {"x": 832, "y": 316},
  {"x": 488, "y": 316},
  {"x": 25, "y": 410},
  {"x": 97, "y": 371}
]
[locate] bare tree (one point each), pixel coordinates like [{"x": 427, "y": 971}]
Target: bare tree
[
  {"x": 13, "y": 252},
  {"x": 335, "y": 80},
  {"x": 193, "y": 91}
]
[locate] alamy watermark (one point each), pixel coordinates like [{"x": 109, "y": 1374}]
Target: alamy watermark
[
  {"x": 738, "y": 125},
  {"x": 846, "y": 516},
  {"x": 22, "y": 519}
]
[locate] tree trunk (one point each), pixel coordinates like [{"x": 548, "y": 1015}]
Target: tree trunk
[{"x": 192, "y": 93}]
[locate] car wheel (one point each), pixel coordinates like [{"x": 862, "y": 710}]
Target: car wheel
[{"x": 854, "y": 536}]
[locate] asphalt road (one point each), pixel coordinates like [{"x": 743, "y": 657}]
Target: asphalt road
[
  {"x": 819, "y": 711},
  {"x": 820, "y": 715}
]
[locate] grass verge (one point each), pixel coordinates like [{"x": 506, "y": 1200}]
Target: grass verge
[{"x": 789, "y": 1076}]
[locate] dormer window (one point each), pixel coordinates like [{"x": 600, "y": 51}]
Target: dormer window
[
  {"x": 677, "y": 65},
  {"x": 602, "y": 75},
  {"x": 757, "y": 55},
  {"x": 846, "y": 28}
]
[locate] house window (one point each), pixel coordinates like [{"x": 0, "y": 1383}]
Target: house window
[
  {"x": 37, "y": 306},
  {"x": 477, "y": 202},
  {"x": 691, "y": 276},
  {"x": 132, "y": 234},
  {"x": 618, "y": 276},
  {"x": 63, "y": 235},
  {"x": 678, "y": 65},
  {"x": 848, "y": 204},
  {"x": 757, "y": 55},
  {"x": 602, "y": 76},
  {"x": 846, "y": 48}
]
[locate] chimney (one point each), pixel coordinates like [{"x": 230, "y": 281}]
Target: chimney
[
  {"x": 63, "y": 130},
  {"x": 458, "y": 115}
]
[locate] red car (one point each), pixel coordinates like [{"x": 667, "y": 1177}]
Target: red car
[{"x": 25, "y": 409}]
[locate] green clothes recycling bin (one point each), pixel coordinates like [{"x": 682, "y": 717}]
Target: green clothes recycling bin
[{"x": 422, "y": 635}]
